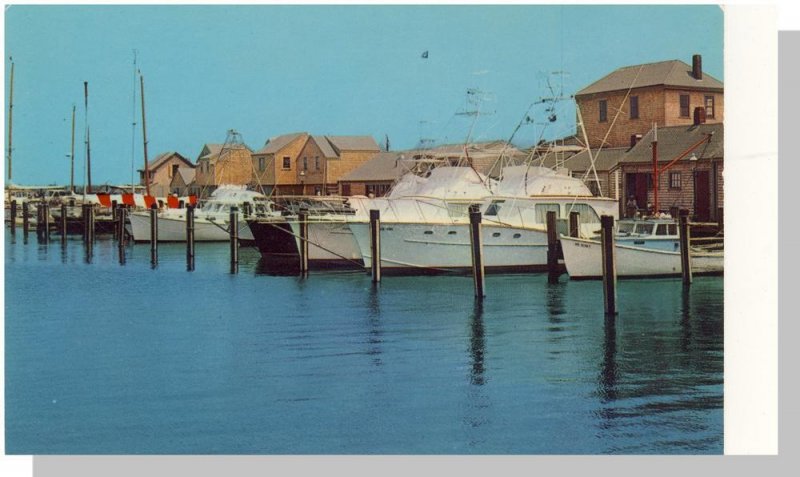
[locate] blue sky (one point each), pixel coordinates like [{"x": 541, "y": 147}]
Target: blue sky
[{"x": 339, "y": 70}]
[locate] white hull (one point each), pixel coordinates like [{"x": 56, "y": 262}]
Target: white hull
[
  {"x": 428, "y": 248},
  {"x": 329, "y": 241},
  {"x": 583, "y": 259},
  {"x": 173, "y": 229}
]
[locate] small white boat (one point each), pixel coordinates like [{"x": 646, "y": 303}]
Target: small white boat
[
  {"x": 211, "y": 217},
  {"x": 583, "y": 259}
]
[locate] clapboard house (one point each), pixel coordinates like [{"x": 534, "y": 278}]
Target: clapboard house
[{"x": 162, "y": 169}]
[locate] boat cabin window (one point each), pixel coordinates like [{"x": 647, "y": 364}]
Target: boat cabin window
[
  {"x": 542, "y": 210},
  {"x": 587, "y": 213},
  {"x": 644, "y": 229},
  {"x": 626, "y": 227},
  {"x": 494, "y": 207},
  {"x": 661, "y": 229}
]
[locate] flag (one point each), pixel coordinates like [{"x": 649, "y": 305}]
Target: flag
[{"x": 425, "y": 54}]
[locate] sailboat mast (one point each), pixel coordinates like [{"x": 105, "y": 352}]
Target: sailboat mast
[
  {"x": 144, "y": 137},
  {"x": 72, "y": 156},
  {"x": 10, "y": 110},
  {"x": 88, "y": 186}
]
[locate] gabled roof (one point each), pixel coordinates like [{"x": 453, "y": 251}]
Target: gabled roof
[
  {"x": 353, "y": 143},
  {"x": 674, "y": 140},
  {"x": 209, "y": 150},
  {"x": 159, "y": 160},
  {"x": 325, "y": 146},
  {"x": 275, "y": 144},
  {"x": 213, "y": 151},
  {"x": 674, "y": 73},
  {"x": 604, "y": 159},
  {"x": 383, "y": 167},
  {"x": 186, "y": 174}
]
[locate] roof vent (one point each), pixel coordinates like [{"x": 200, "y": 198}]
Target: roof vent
[
  {"x": 697, "y": 67},
  {"x": 635, "y": 138}
]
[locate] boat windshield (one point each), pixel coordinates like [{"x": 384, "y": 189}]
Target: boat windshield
[
  {"x": 645, "y": 228},
  {"x": 626, "y": 227}
]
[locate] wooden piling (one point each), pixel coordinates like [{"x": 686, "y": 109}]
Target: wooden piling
[
  {"x": 63, "y": 224},
  {"x": 90, "y": 209},
  {"x": 190, "y": 237},
  {"x": 685, "y": 240},
  {"x": 122, "y": 211},
  {"x": 39, "y": 222},
  {"x": 720, "y": 219},
  {"x": 153, "y": 234},
  {"x": 476, "y": 245},
  {"x": 574, "y": 224},
  {"x": 45, "y": 222},
  {"x": 13, "y": 223},
  {"x": 375, "y": 244},
  {"x": 552, "y": 247},
  {"x": 302, "y": 217},
  {"x": 25, "y": 219},
  {"x": 115, "y": 218},
  {"x": 234, "y": 233},
  {"x": 609, "y": 264}
]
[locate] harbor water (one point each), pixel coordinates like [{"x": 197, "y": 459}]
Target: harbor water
[{"x": 110, "y": 358}]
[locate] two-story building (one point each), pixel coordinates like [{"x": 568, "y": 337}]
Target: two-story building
[
  {"x": 219, "y": 164},
  {"x": 162, "y": 169},
  {"x": 304, "y": 164},
  {"x": 621, "y": 107}
]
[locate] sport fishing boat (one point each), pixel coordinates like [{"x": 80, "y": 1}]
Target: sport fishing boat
[
  {"x": 421, "y": 235},
  {"x": 211, "y": 217}
]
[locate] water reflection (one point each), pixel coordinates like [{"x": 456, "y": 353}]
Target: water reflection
[
  {"x": 375, "y": 336},
  {"x": 609, "y": 371},
  {"x": 477, "y": 344}
]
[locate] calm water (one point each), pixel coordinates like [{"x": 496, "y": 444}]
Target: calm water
[{"x": 103, "y": 358}]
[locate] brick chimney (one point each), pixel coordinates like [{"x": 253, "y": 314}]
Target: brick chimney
[
  {"x": 697, "y": 67},
  {"x": 699, "y": 115}
]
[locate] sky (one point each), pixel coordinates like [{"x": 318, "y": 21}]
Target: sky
[{"x": 269, "y": 70}]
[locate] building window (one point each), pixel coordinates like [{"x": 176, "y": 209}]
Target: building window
[
  {"x": 709, "y": 100},
  {"x": 287, "y": 163},
  {"x": 305, "y": 163},
  {"x": 316, "y": 162},
  {"x": 603, "y": 110},
  {"x": 262, "y": 163},
  {"x": 634, "y": 107},
  {"x": 684, "y": 105},
  {"x": 377, "y": 190},
  {"x": 674, "y": 180}
]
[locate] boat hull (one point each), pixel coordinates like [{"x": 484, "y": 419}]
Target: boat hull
[
  {"x": 583, "y": 260},
  {"x": 418, "y": 248},
  {"x": 173, "y": 229},
  {"x": 330, "y": 244}
]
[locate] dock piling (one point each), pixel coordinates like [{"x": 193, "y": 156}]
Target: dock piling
[
  {"x": 234, "y": 233},
  {"x": 25, "y": 219},
  {"x": 302, "y": 217},
  {"x": 154, "y": 234},
  {"x": 609, "y": 264},
  {"x": 552, "y": 248},
  {"x": 13, "y": 213},
  {"x": 120, "y": 226},
  {"x": 45, "y": 222},
  {"x": 63, "y": 224},
  {"x": 115, "y": 218},
  {"x": 90, "y": 209},
  {"x": 685, "y": 240},
  {"x": 476, "y": 245},
  {"x": 189, "y": 238},
  {"x": 574, "y": 224},
  {"x": 375, "y": 244}
]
